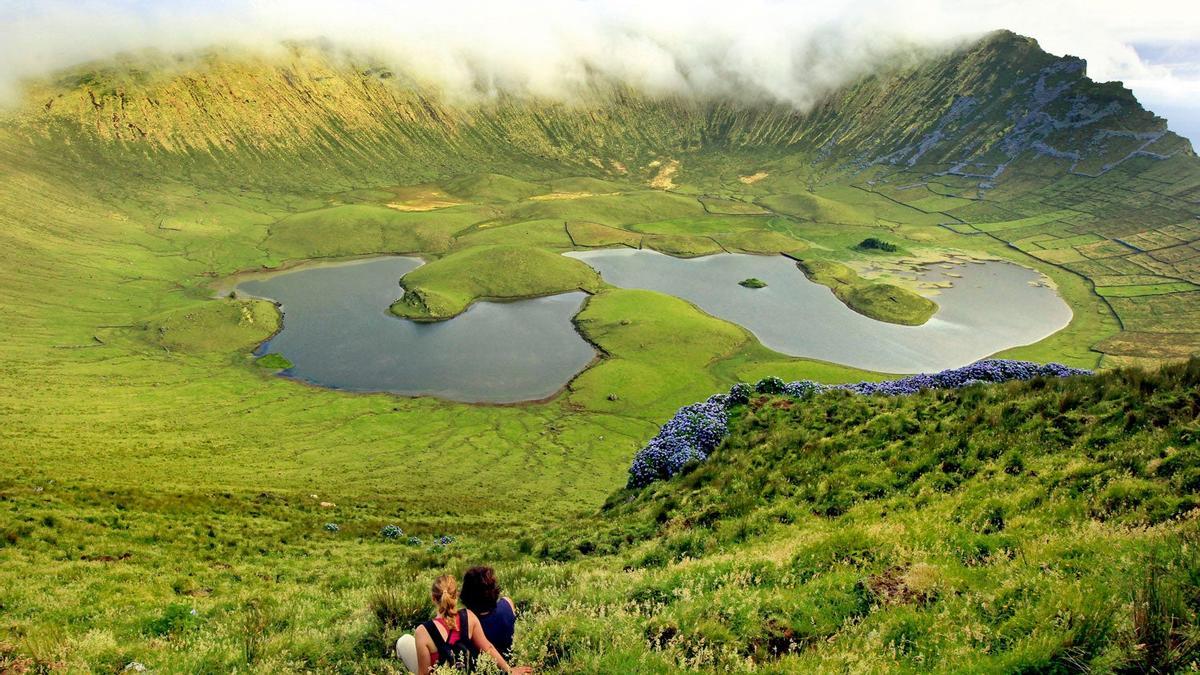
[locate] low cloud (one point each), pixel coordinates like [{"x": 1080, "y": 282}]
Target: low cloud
[{"x": 791, "y": 52}]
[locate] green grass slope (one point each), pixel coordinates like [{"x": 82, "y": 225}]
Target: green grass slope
[
  {"x": 491, "y": 187},
  {"x": 1044, "y": 526}
]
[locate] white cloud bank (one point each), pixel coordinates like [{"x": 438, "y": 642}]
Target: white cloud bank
[{"x": 787, "y": 51}]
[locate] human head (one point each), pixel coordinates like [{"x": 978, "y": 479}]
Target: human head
[
  {"x": 445, "y": 596},
  {"x": 480, "y": 591}
]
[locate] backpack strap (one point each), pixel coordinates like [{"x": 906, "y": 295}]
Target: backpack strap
[
  {"x": 464, "y": 628},
  {"x": 464, "y": 649},
  {"x": 439, "y": 642}
]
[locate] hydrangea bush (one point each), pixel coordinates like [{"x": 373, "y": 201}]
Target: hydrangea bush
[
  {"x": 391, "y": 532},
  {"x": 687, "y": 437},
  {"x": 697, "y": 429}
]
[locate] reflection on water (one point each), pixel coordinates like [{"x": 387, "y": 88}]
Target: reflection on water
[
  {"x": 989, "y": 307},
  {"x": 338, "y": 333}
]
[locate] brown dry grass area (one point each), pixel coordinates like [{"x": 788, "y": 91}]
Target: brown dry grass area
[
  {"x": 559, "y": 196},
  {"x": 666, "y": 172},
  {"x": 594, "y": 234},
  {"x": 1149, "y": 345},
  {"x": 422, "y": 199},
  {"x": 753, "y": 178}
]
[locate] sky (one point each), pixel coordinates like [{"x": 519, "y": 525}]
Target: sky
[{"x": 791, "y": 51}]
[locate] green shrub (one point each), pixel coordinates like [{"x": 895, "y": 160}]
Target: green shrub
[
  {"x": 656, "y": 557},
  {"x": 1166, "y": 636},
  {"x": 174, "y": 620},
  {"x": 849, "y": 547},
  {"x": 551, "y": 642},
  {"x": 902, "y": 634},
  {"x": 1122, "y": 496},
  {"x": 876, "y": 244},
  {"x": 395, "y": 611}
]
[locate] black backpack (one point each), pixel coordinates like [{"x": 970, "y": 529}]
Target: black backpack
[{"x": 459, "y": 654}]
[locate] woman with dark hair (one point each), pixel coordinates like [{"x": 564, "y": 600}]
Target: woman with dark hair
[{"x": 497, "y": 615}]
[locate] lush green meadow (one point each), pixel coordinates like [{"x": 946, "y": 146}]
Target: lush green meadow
[{"x": 165, "y": 499}]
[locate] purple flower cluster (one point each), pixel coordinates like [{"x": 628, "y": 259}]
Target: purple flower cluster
[
  {"x": 989, "y": 370},
  {"x": 802, "y": 388},
  {"x": 738, "y": 394},
  {"x": 687, "y": 437},
  {"x": 697, "y": 429}
]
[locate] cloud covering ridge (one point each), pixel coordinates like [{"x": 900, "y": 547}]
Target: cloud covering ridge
[{"x": 791, "y": 52}]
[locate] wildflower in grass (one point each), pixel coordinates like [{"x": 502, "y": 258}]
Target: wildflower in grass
[
  {"x": 696, "y": 430},
  {"x": 445, "y": 540},
  {"x": 391, "y": 532},
  {"x": 332, "y": 527}
]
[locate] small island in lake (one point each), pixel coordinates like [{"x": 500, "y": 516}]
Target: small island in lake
[
  {"x": 273, "y": 361},
  {"x": 752, "y": 283}
]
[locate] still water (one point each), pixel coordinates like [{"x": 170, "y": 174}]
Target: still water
[
  {"x": 338, "y": 333},
  {"x": 990, "y": 307}
]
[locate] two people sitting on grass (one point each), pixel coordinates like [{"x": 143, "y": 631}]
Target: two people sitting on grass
[{"x": 456, "y": 636}]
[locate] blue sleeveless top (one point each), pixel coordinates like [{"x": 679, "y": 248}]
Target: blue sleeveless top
[{"x": 498, "y": 626}]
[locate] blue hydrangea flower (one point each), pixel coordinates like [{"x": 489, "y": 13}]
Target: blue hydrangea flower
[
  {"x": 696, "y": 430},
  {"x": 391, "y": 532},
  {"x": 801, "y": 389},
  {"x": 738, "y": 394},
  {"x": 687, "y": 437}
]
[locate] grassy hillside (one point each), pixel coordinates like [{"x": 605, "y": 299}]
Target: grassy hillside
[
  {"x": 1044, "y": 526},
  {"x": 152, "y": 468},
  {"x": 1040, "y": 526}
]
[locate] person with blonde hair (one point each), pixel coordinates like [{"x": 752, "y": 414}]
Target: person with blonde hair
[{"x": 452, "y": 637}]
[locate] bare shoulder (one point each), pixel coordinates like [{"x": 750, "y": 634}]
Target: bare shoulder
[{"x": 472, "y": 622}]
